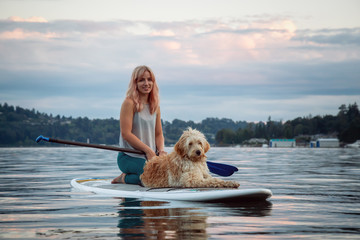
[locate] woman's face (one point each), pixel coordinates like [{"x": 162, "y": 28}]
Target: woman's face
[{"x": 145, "y": 83}]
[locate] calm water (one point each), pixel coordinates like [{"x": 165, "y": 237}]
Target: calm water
[{"x": 316, "y": 196}]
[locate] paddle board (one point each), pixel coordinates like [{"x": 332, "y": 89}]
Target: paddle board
[{"x": 104, "y": 187}]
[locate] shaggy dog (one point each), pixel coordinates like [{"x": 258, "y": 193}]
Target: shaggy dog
[{"x": 184, "y": 167}]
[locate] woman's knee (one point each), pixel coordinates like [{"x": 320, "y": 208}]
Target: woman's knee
[{"x": 132, "y": 179}]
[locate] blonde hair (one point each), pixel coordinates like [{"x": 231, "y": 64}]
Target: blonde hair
[{"x": 133, "y": 92}]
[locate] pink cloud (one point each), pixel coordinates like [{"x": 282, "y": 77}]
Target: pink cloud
[
  {"x": 31, "y": 19},
  {"x": 169, "y": 45},
  {"x": 211, "y": 43},
  {"x": 247, "y": 42},
  {"x": 163, "y": 33},
  {"x": 225, "y": 42},
  {"x": 19, "y": 33}
]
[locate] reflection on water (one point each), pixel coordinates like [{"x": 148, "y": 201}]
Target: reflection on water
[
  {"x": 182, "y": 220},
  {"x": 251, "y": 209},
  {"x": 156, "y": 221},
  {"x": 316, "y": 196}
]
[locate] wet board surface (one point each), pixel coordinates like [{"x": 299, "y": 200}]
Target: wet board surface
[{"x": 104, "y": 187}]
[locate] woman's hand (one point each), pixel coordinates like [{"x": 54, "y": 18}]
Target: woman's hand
[
  {"x": 162, "y": 153},
  {"x": 150, "y": 154}
]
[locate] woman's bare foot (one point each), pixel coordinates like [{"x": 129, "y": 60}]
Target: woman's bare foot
[{"x": 119, "y": 179}]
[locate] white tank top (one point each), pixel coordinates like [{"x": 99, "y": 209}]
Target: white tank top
[{"x": 143, "y": 127}]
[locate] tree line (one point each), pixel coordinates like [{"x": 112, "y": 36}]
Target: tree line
[{"x": 20, "y": 127}]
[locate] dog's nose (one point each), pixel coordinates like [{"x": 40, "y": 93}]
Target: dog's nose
[{"x": 198, "y": 152}]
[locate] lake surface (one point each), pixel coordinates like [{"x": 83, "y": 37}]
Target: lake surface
[{"x": 316, "y": 196}]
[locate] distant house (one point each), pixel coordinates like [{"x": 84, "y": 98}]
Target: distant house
[
  {"x": 257, "y": 141},
  {"x": 327, "y": 143},
  {"x": 282, "y": 143},
  {"x": 313, "y": 144}
]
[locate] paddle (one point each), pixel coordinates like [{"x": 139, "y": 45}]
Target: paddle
[{"x": 217, "y": 168}]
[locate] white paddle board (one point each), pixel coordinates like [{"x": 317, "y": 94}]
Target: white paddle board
[{"x": 104, "y": 187}]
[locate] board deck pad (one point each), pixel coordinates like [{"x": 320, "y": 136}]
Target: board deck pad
[{"x": 104, "y": 186}]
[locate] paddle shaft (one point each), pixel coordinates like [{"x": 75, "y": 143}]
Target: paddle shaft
[{"x": 111, "y": 148}]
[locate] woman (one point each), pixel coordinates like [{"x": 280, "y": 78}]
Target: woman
[{"x": 140, "y": 125}]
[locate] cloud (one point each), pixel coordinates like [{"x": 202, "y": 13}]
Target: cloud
[
  {"x": 344, "y": 36},
  {"x": 31, "y": 19},
  {"x": 230, "y": 68},
  {"x": 19, "y": 33},
  {"x": 201, "y": 43}
]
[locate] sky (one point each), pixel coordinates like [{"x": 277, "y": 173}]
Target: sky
[{"x": 244, "y": 60}]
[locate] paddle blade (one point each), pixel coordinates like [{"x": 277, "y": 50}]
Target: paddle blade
[
  {"x": 40, "y": 138},
  {"x": 221, "y": 169}
]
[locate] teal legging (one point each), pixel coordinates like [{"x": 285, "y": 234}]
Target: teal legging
[{"x": 132, "y": 166}]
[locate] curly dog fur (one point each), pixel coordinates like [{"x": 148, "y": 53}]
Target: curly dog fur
[{"x": 184, "y": 167}]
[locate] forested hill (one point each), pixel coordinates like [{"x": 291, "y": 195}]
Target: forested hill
[{"x": 20, "y": 127}]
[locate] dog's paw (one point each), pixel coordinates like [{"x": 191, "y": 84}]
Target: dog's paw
[{"x": 232, "y": 184}]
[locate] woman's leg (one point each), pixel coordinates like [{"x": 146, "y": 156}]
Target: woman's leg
[{"x": 133, "y": 167}]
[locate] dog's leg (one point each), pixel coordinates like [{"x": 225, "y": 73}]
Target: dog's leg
[
  {"x": 217, "y": 182},
  {"x": 193, "y": 180}
]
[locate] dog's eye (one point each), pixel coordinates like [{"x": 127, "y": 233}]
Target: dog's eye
[
  {"x": 200, "y": 143},
  {"x": 190, "y": 143}
]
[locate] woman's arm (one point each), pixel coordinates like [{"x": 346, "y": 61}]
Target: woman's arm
[
  {"x": 126, "y": 121},
  {"x": 159, "y": 136}
]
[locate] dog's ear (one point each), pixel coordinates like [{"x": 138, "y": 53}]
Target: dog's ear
[
  {"x": 207, "y": 146},
  {"x": 179, "y": 147}
]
